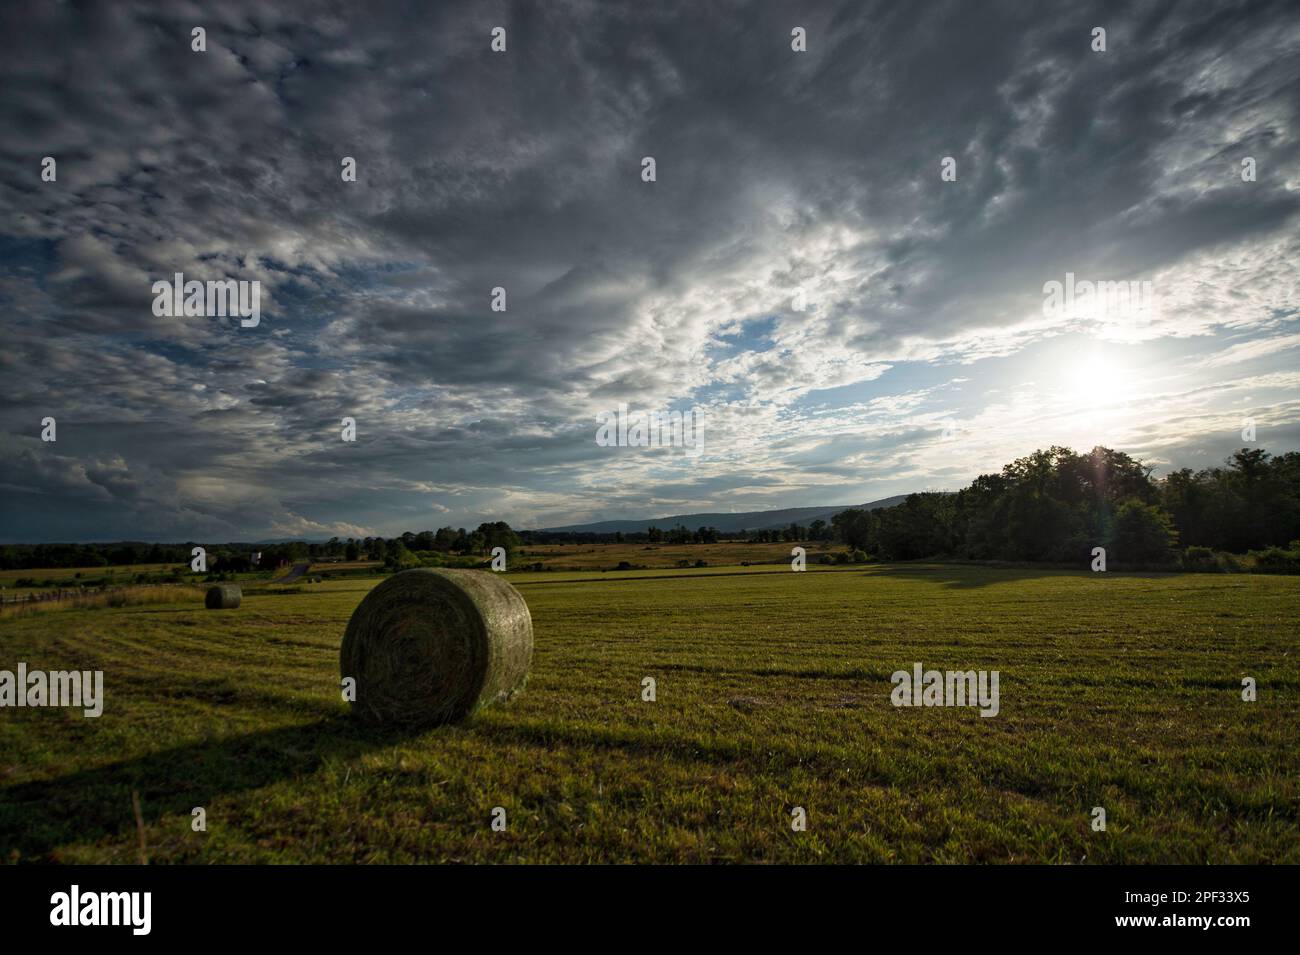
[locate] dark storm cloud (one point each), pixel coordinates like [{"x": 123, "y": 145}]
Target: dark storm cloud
[{"x": 521, "y": 170}]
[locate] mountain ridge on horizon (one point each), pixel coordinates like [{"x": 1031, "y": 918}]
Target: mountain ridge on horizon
[{"x": 724, "y": 522}]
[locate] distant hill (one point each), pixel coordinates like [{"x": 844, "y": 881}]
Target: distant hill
[{"x": 727, "y": 523}]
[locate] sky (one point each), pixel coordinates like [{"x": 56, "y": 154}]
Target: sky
[{"x": 842, "y": 263}]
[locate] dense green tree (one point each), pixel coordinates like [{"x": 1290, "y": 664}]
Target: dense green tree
[
  {"x": 857, "y": 528},
  {"x": 1143, "y": 533}
]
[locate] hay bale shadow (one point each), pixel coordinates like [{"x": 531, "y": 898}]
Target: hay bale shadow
[{"x": 36, "y": 818}]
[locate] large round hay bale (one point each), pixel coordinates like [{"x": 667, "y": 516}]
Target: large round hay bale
[
  {"x": 223, "y": 597},
  {"x": 431, "y": 646}
]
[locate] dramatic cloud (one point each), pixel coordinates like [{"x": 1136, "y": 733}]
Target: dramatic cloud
[{"x": 851, "y": 325}]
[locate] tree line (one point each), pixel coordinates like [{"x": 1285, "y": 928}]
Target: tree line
[
  {"x": 1053, "y": 505},
  {"x": 238, "y": 557},
  {"x": 1056, "y": 505}
]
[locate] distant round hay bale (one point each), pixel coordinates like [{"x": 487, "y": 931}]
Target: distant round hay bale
[
  {"x": 223, "y": 597},
  {"x": 431, "y": 646}
]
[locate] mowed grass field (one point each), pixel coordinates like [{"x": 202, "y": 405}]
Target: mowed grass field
[
  {"x": 773, "y": 692},
  {"x": 654, "y": 556},
  {"x": 69, "y": 576}
]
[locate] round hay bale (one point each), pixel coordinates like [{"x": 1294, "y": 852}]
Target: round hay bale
[
  {"x": 223, "y": 597},
  {"x": 431, "y": 646}
]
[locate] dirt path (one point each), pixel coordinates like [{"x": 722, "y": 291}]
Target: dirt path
[{"x": 294, "y": 573}]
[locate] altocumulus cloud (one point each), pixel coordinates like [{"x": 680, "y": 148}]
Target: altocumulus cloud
[{"x": 776, "y": 172}]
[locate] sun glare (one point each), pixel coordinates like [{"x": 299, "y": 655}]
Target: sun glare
[{"x": 1096, "y": 380}]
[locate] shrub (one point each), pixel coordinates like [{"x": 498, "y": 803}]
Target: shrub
[
  {"x": 1275, "y": 560},
  {"x": 701, "y": 563},
  {"x": 1200, "y": 560},
  {"x": 1230, "y": 563},
  {"x": 859, "y": 557}
]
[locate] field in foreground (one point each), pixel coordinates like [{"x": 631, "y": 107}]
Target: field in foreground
[{"x": 773, "y": 692}]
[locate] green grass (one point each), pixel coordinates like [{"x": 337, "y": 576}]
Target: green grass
[
  {"x": 60, "y": 577},
  {"x": 640, "y": 554},
  {"x": 63, "y": 575},
  {"x": 773, "y": 692}
]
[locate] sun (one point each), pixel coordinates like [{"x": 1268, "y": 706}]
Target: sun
[
  {"x": 1094, "y": 388},
  {"x": 1097, "y": 380}
]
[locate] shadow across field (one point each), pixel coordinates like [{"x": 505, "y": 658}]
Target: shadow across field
[
  {"x": 37, "y": 818},
  {"x": 970, "y": 576},
  {"x": 857, "y": 674}
]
